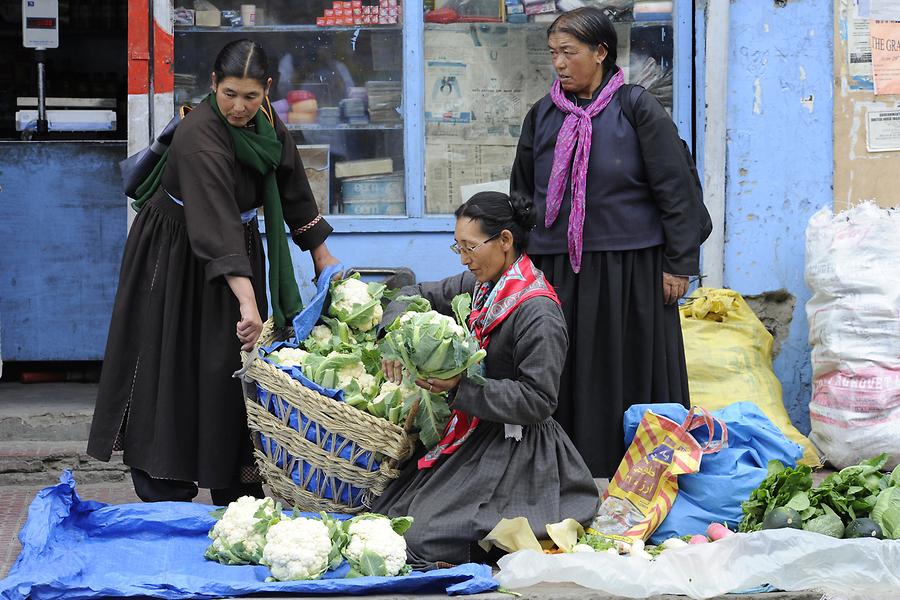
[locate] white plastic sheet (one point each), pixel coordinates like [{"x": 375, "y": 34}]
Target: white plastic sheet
[{"x": 788, "y": 559}]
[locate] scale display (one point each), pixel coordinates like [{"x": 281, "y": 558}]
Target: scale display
[{"x": 40, "y": 23}]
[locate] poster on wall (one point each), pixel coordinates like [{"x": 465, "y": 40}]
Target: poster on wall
[
  {"x": 885, "y": 42},
  {"x": 449, "y": 167},
  {"x": 882, "y": 10},
  {"x": 481, "y": 80},
  {"x": 859, "y": 50},
  {"x": 883, "y": 130}
]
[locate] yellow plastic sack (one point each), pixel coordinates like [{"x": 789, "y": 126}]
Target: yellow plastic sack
[{"x": 729, "y": 359}]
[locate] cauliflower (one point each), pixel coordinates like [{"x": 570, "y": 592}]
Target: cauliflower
[
  {"x": 368, "y": 385},
  {"x": 297, "y": 549},
  {"x": 321, "y": 333},
  {"x": 348, "y": 373},
  {"x": 357, "y": 303},
  {"x": 240, "y": 534},
  {"x": 376, "y": 545},
  {"x": 290, "y": 357}
]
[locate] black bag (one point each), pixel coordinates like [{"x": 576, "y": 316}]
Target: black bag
[
  {"x": 136, "y": 168},
  {"x": 628, "y": 110}
]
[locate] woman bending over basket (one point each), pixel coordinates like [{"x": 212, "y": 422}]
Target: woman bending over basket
[
  {"x": 194, "y": 267},
  {"x": 502, "y": 455}
]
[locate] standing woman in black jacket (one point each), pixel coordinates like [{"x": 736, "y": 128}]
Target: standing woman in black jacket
[{"x": 618, "y": 234}]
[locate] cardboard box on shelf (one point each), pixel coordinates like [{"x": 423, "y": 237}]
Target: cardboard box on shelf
[
  {"x": 316, "y": 159},
  {"x": 373, "y": 196},
  {"x": 206, "y": 14},
  {"x": 363, "y": 168}
]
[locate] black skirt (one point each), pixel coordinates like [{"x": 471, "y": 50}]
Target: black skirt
[
  {"x": 625, "y": 347},
  {"x": 166, "y": 391}
]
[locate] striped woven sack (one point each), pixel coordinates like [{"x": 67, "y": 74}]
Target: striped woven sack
[{"x": 645, "y": 485}]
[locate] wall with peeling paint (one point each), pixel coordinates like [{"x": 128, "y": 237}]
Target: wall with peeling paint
[{"x": 780, "y": 161}]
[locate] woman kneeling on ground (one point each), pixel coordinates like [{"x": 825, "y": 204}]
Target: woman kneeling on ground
[{"x": 502, "y": 455}]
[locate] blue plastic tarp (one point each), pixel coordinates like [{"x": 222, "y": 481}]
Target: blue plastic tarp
[
  {"x": 74, "y": 549},
  {"x": 726, "y": 478}
]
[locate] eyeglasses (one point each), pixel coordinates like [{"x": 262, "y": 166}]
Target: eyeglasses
[{"x": 457, "y": 249}]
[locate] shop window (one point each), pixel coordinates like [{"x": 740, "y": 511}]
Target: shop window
[
  {"x": 487, "y": 63},
  {"x": 338, "y": 73}
]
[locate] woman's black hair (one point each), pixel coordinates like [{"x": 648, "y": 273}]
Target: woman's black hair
[
  {"x": 244, "y": 59},
  {"x": 496, "y": 211},
  {"x": 591, "y": 26}
]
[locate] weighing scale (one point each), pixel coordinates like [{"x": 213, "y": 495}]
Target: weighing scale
[{"x": 40, "y": 30}]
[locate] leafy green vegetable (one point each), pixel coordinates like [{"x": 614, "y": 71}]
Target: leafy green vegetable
[
  {"x": 780, "y": 487},
  {"x": 847, "y": 495},
  {"x": 598, "y": 542},
  {"x": 826, "y": 524},
  {"x": 887, "y": 511}
]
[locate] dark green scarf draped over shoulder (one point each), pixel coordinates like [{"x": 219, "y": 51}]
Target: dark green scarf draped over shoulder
[{"x": 259, "y": 150}]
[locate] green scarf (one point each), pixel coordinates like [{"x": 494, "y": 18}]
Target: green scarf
[{"x": 259, "y": 150}]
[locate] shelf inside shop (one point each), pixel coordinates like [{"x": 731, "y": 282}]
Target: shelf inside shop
[
  {"x": 345, "y": 127},
  {"x": 288, "y": 29},
  {"x": 536, "y": 26}
]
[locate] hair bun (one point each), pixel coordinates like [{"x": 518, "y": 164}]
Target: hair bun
[{"x": 523, "y": 211}]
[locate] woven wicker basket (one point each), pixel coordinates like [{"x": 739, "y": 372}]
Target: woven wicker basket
[{"x": 363, "y": 435}]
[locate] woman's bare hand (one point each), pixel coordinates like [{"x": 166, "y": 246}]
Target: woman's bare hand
[
  {"x": 674, "y": 287},
  {"x": 438, "y": 385},
  {"x": 249, "y": 327},
  {"x": 393, "y": 370}
]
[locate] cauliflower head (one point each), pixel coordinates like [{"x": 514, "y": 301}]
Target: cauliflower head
[
  {"x": 321, "y": 333},
  {"x": 297, "y": 549},
  {"x": 357, "y": 303},
  {"x": 290, "y": 357},
  {"x": 375, "y": 535},
  {"x": 350, "y": 292},
  {"x": 349, "y": 373},
  {"x": 239, "y": 536}
]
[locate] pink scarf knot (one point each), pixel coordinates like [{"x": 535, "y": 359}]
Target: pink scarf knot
[{"x": 574, "y": 138}]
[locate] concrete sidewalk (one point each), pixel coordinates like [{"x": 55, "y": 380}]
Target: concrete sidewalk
[{"x": 43, "y": 430}]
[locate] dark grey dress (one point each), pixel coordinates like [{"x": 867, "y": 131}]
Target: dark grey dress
[{"x": 542, "y": 477}]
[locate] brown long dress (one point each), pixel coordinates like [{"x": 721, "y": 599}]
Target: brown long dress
[{"x": 166, "y": 394}]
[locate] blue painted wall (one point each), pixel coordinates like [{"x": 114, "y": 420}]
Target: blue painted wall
[
  {"x": 62, "y": 230},
  {"x": 780, "y": 161}
]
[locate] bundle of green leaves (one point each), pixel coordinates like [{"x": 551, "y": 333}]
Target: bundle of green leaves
[{"x": 858, "y": 491}]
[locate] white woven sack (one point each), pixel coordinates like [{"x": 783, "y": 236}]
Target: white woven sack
[{"x": 853, "y": 270}]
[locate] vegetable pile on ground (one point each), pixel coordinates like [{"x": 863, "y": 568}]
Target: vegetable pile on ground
[
  {"x": 256, "y": 531},
  {"x": 857, "y": 501},
  {"x": 638, "y": 549},
  {"x": 432, "y": 345}
]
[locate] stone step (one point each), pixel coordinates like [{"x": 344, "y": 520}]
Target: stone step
[
  {"x": 41, "y": 462},
  {"x": 51, "y": 412}
]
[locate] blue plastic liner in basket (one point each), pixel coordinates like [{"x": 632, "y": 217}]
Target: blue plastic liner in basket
[{"x": 303, "y": 474}]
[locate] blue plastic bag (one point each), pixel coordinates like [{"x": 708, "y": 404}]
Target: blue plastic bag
[{"x": 726, "y": 478}]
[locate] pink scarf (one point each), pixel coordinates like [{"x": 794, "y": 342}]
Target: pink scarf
[{"x": 574, "y": 137}]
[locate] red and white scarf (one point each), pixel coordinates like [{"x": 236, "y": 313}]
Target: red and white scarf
[{"x": 492, "y": 304}]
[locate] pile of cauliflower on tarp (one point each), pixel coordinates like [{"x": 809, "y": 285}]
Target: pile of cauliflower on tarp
[
  {"x": 343, "y": 353},
  {"x": 256, "y": 531}
]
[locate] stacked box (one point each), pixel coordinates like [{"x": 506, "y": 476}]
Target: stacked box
[{"x": 345, "y": 13}]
